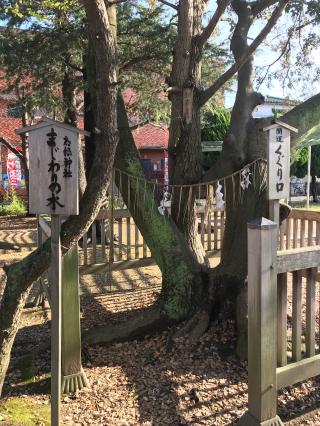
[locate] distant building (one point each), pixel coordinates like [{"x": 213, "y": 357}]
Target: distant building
[{"x": 274, "y": 105}]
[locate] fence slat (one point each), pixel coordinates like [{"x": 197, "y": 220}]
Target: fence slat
[
  {"x": 103, "y": 239},
  {"x": 311, "y": 312},
  {"x": 136, "y": 242},
  {"x": 288, "y": 234},
  {"x": 111, "y": 242},
  {"x": 85, "y": 248},
  {"x": 120, "y": 237},
  {"x": 302, "y": 233},
  {"x": 128, "y": 239},
  {"x": 282, "y": 320},
  {"x": 282, "y": 228},
  {"x": 215, "y": 230},
  {"x": 318, "y": 234},
  {"x": 94, "y": 242},
  {"x": 202, "y": 228},
  {"x": 310, "y": 233},
  {"x": 295, "y": 233},
  {"x": 209, "y": 230},
  {"x": 296, "y": 315},
  {"x": 222, "y": 225}
]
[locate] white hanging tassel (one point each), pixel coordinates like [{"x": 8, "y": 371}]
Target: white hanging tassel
[
  {"x": 245, "y": 178},
  {"x": 219, "y": 197}
]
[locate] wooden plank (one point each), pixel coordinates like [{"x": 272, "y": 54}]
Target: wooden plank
[
  {"x": 282, "y": 319},
  {"x": 136, "y": 242},
  {"x": 117, "y": 266},
  {"x": 215, "y": 230},
  {"x": 305, "y": 214},
  {"x": 318, "y": 234},
  {"x": 128, "y": 239},
  {"x": 202, "y": 228},
  {"x": 209, "y": 230},
  {"x": 311, "y": 312},
  {"x": 66, "y": 201},
  {"x": 103, "y": 239},
  {"x": 262, "y": 312},
  {"x": 111, "y": 241},
  {"x": 222, "y": 226},
  {"x": 122, "y": 265},
  {"x": 94, "y": 242},
  {"x": 85, "y": 248},
  {"x": 118, "y": 213},
  {"x": 120, "y": 238},
  {"x": 310, "y": 233},
  {"x": 296, "y": 315},
  {"x": 55, "y": 284},
  {"x": 302, "y": 233},
  {"x": 296, "y": 259},
  {"x": 288, "y": 234},
  {"x": 71, "y": 334},
  {"x": 295, "y": 232},
  {"x": 298, "y": 371},
  {"x": 282, "y": 229}
]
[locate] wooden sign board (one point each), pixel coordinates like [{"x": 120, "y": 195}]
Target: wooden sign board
[
  {"x": 53, "y": 174},
  {"x": 279, "y": 161}
]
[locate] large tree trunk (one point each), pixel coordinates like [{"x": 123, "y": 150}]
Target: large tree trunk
[
  {"x": 185, "y": 128},
  {"x": 183, "y": 287},
  {"x": 21, "y": 275}
]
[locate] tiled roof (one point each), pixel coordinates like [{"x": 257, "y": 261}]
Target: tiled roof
[
  {"x": 151, "y": 136},
  {"x": 8, "y": 124}
]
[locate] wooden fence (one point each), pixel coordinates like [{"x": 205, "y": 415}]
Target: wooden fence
[
  {"x": 281, "y": 285},
  {"x": 122, "y": 245},
  {"x": 301, "y": 229}
]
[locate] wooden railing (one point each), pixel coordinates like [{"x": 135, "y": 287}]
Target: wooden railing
[
  {"x": 122, "y": 244},
  {"x": 281, "y": 284},
  {"x": 301, "y": 229}
]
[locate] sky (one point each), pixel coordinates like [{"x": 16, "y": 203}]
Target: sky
[{"x": 266, "y": 54}]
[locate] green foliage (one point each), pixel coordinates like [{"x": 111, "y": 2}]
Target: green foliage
[
  {"x": 215, "y": 126},
  {"x": 47, "y": 39},
  {"x": 215, "y": 123},
  {"x": 299, "y": 165},
  {"x": 12, "y": 205}
]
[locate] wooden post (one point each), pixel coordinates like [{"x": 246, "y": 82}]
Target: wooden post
[
  {"x": 55, "y": 280},
  {"x": 73, "y": 376},
  {"x": 308, "y": 177},
  {"x": 54, "y": 190},
  {"x": 274, "y": 208},
  {"x": 262, "y": 324}
]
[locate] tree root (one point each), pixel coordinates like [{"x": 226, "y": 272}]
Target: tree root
[{"x": 150, "y": 321}]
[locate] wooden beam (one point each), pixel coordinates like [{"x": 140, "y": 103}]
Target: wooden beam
[
  {"x": 305, "y": 215},
  {"x": 297, "y": 259},
  {"x": 298, "y": 371}
]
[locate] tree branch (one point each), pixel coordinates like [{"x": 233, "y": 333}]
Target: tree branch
[
  {"x": 167, "y": 3},
  {"x": 137, "y": 60},
  {"x": 208, "y": 30},
  {"x": 260, "y": 5},
  {"x": 210, "y": 91},
  {"x": 12, "y": 148}
]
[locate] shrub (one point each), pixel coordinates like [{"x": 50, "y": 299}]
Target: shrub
[{"x": 12, "y": 205}]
